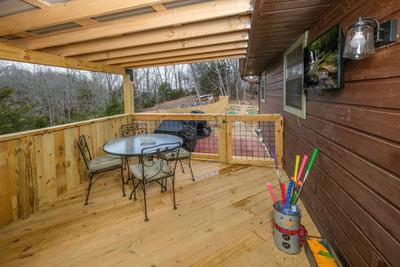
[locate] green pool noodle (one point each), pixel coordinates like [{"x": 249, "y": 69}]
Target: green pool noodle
[{"x": 314, "y": 155}]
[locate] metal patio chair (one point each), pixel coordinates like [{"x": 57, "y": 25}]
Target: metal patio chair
[
  {"x": 152, "y": 168},
  {"x": 131, "y": 129},
  {"x": 189, "y": 136},
  {"x": 98, "y": 165}
]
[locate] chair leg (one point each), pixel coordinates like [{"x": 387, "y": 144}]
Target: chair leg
[
  {"x": 122, "y": 180},
  {"x": 145, "y": 203},
  {"x": 191, "y": 171},
  {"x": 183, "y": 170},
  {"x": 162, "y": 186},
  {"x": 89, "y": 188},
  {"x": 127, "y": 167},
  {"x": 133, "y": 190},
  {"x": 173, "y": 191}
]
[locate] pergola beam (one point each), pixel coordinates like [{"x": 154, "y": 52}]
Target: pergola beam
[
  {"x": 17, "y": 54},
  {"x": 195, "y": 30},
  {"x": 177, "y": 53},
  {"x": 173, "y": 60},
  {"x": 86, "y": 22},
  {"x": 192, "y": 61},
  {"x": 159, "y": 8},
  {"x": 49, "y": 15},
  {"x": 170, "y": 46},
  {"x": 38, "y": 3},
  {"x": 183, "y": 15}
]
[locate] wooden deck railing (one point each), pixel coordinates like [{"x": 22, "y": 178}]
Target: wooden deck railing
[{"x": 39, "y": 165}]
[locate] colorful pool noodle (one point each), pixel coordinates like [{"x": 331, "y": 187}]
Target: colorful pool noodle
[
  {"x": 314, "y": 154},
  {"x": 296, "y": 169},
  {"x": 283, "y": 189},
  {"x": 303, "y": 163},
  {"x": 281, "y": 184},
  {"x": 271, "y": 191},
  {"x": 289, "y": 193}
]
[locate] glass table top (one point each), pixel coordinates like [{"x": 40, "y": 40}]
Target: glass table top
[{"x": 134, "y": 145}]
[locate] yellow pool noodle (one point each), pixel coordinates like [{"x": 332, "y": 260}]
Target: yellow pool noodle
[{"x": 296, "y": 168}]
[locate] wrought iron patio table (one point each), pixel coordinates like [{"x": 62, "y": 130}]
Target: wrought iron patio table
[{"x": 133, "y": 145}]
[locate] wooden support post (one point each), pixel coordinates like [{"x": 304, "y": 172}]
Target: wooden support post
[
  {"x": 129, "y": 106},
  {"x": 279, "y": 140},
  {"x": 229, "y": 141},
  {"x": 222, "y": 148}
]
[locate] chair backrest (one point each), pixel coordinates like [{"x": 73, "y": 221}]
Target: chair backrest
[
  {"x": 133, "y": 129},
  {"x": 84, "y": 149},
  {"x": 160, "y": 149},
  {"x": 189, "y": 136},
  {"x": 149, "y": 153}
]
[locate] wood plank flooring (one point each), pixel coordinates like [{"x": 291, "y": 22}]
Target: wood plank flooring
[{"x": 223, "y": 219}]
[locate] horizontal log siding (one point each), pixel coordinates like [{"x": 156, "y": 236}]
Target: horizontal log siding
[{"x": 353, "y": 192}]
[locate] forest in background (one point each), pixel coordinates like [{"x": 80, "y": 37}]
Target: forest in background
[{"x": 36, "y": 96}]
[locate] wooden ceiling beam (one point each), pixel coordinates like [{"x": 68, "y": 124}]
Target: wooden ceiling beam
[
  {"x": 183, "y": 15},
  {"x": 170, "y": 46},
  {"x": 172, "y": 60},
  {"x": 38, "y": 3},
  {"x": 86, "y": 22},
  {"x": 159, "y": 8},
  {"x": 177, "y": 53},
  {"x": 49, "y": 15},
  {"x": 192, "y": 61},
  {"x": 25, "y": 34},
  {"x": 17, "y": 54},
  {"x": 201, "y": 29},
  {"x": 43, "y": 4}
]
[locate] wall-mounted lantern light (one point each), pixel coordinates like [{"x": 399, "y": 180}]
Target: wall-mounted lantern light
[
  {"x": 367, "y": 34},
  {"x": 253, "y": 79}
]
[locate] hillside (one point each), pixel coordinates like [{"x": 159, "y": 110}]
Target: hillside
[{"x": 186, "y": 101}]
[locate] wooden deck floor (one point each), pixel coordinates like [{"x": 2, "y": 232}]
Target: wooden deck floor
[{"x": 223, "y": 219}]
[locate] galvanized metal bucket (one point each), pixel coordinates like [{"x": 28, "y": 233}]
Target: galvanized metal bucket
[{"x": 287, "y": 228}]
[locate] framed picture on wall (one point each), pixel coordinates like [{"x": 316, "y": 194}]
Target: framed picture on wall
[{"x": 323, "y": 61}]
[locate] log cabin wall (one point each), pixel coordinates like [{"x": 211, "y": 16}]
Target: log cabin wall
[
  {"x": 353, "y": 193},
  {"x": 38, "y": 166}
]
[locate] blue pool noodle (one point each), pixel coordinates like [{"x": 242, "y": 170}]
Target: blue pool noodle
[{"x": 289, "y": 192}]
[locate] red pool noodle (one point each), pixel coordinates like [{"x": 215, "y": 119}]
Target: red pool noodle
[{"x": 271, "y": 191}]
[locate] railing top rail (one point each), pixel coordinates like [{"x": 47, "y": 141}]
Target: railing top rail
[
  {"x": 8, "y": 137},
  {"x": 255, "y": 117},
  {"x": 208, "y": 116},
  {"x": 176, "y": 116}
]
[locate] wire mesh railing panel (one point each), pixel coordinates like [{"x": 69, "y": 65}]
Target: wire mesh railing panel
[
  {"x": 207, "y": 137},
  {"x": 252, "y": 140},
  {"x": 207, "y": 131},
  {"x": 241, "y": 139}
]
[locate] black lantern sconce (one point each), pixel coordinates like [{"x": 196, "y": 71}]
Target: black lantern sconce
[
  {"x": 367, "y": 34},
  {"x": 253, "y": 79}
]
